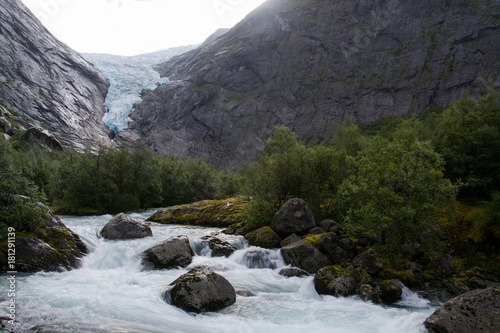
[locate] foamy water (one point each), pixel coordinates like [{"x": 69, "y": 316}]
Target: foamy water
[{"x": 109, "y": 293}]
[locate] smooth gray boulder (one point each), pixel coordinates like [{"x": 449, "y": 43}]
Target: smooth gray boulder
[
  {"x": 475, "y": 311},
  {"x": 123, "y": 226},
  {"x": 294, "y": 217},
  {"x": 173, "y": 252},
  {"x": 200, "y": 291}
]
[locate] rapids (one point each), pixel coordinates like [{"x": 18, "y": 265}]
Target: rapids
[{"x": 110, "y": 294}]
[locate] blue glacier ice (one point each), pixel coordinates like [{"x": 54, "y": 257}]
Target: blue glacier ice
[{"x": 128, "y": 76}]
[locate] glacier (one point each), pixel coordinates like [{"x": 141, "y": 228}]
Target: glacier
[{"x": 128, "y": 76}]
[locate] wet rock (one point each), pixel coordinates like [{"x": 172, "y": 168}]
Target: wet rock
[
  {"x": 259, "y": 259},
  {"x": 370, "y": 261},
  {"x": 335, "y": 281},
  {"x": 244, "y": 293},
  {"x": 123, "y": 226},
  {"x": 219, "y": 248},
  {"x": 293, "y": 272},
  {"x": 294, "y": 217},
  {"x": 368, "y": 293},
  {"x": 264, "y": 237},
  {"x": 475, "y": 311},
  {"x": 173, "y": 252},
  {"x": 390, "y": 291},
  {"x": 201, "y": 291},
  {"x": 305, "y": 256}
]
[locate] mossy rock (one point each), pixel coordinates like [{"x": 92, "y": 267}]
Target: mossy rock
[
  {"x": 390, "y": 291},
  {"x": 264, "y": 237},
  {"x": 208, "y": 213}
]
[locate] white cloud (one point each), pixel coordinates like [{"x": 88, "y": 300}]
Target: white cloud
[{"x": 136, "y": 26}]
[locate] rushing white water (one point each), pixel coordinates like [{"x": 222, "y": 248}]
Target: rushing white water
[{"x": 110, "y": 293}]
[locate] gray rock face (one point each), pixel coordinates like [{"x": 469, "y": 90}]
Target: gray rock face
[
  {"x": 201, "y": 291},
  {"x": 310, "y": 64},
  {"x": 173, "y": 252},
  {"x": 123, "y": 226},
  {"x": 475, "y": 311},
  {"x": 48, "y": 84},
  {"x": 304, "y": 256},
  {"x": 294, "y": 217}
]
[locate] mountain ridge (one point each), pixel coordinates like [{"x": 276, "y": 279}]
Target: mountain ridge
[
  {"x": 309, "y": 65},
  {"x": 48, "y": 84}
]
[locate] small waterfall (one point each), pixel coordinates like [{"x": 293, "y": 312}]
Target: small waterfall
[{"x": 255, "y": 257}]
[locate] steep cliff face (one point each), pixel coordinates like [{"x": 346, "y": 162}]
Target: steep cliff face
[
  {"x": 46, "y": 83},
  {"x": 308, "y": 64}
]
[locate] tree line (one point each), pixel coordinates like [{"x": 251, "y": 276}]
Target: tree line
[{"x": 398, "y": 179}]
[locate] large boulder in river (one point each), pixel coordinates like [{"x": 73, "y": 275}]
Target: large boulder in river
[
  {"x": 173, "y": 252},
  {"x": 305, "y": 256},
  {"x": 475, "y": 311},
  {"x": 200, "y": 290},
  {"x": 264, "y": 237},
  {"x": 338, "y": 281},
  {"x": 123, "y": 226},
  {"x": 294, "y": 217}
]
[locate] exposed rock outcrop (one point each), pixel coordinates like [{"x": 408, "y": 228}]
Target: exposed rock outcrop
[
  {"x": 201, "y": 291},
  {"x": 173, "y": 252},
  {"x": 51, "y": 247},
  {"x": 46, "y": 84},
  {"x": 310, "y": 64},
  {"x": 475, "y": 311},
  {"x": 123, "y": 226}
]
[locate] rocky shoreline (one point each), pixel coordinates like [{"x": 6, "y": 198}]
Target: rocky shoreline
[{"x": 341, "y": 266}]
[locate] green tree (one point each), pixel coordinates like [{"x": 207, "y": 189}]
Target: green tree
[
  {"x": 468, "y": 138},
  {"x": 19, "y": 197},
  {"x": 395, "y": 191}
]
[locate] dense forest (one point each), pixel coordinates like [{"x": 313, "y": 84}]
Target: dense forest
[{"x": 431, "y": 179}]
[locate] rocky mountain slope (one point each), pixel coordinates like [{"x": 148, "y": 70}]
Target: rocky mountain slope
[
  {"x": 309, "y": 64},
  {"x": 47, "y": 84}
]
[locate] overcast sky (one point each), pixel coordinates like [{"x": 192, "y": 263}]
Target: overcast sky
[{"x": 130, "y": 27}]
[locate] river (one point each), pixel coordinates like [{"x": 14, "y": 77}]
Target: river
[{"x": 110, "y": 294}]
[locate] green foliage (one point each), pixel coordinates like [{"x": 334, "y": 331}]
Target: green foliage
[
  {"x": 19, "y": 197},
  {"x": 287, "y": 169},
  {"x": 395, "y": 191},
  {"x": 468, "y": 138}
]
